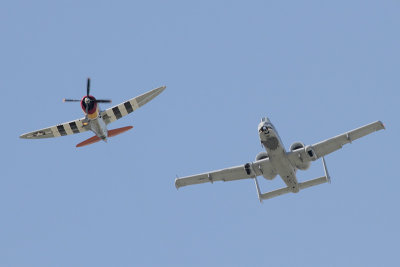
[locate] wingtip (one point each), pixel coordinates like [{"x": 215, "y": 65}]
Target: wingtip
[
  {"x": 380, "y": 125},
  {"x": 157, "y": 90},
  {"x": 176, "y": 184}
]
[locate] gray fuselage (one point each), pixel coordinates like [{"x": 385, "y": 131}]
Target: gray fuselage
[{"x": 277, "y": 154}]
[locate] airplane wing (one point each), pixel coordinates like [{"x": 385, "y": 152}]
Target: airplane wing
[
  {"x": 123, "y": 109},
  {"x": 66, "y": 128},
  {"x": 330, "y": 145},
  {"x": 246, "y": 171}
]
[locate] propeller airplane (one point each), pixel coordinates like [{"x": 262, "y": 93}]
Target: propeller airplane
[{"x": 95, "y": 119}]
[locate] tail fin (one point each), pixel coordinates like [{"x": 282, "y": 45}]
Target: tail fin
[
  {"x": 118, "y": 131},
  {"x": 89, "y": 141},
  {"x": 111, "y": 133}
]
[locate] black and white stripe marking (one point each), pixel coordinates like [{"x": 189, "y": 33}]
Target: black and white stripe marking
[
  {"x": 128, "y": 107},
  {"x": 74, "y": 128},
  {"x": 117, "y": 112},
  {"x": 61, "y": 130}
]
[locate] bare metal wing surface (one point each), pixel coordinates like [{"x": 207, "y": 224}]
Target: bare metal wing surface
[
  {"x": 115, "y": 113},
  {"x": 67, "y": 128}
]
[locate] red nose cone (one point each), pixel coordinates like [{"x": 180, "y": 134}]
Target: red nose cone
[{"x": 92, "y": 104}]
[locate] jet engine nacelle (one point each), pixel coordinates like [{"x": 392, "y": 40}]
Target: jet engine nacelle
[
  {"x": 310, "y": 152},
  {"x": 261, "y": 155},
  {"x": 296, "y": 145},
  {"x": 300, "y": 164},
  {"x": 267, "y": 171}
]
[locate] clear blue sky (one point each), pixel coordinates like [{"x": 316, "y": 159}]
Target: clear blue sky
[{"x": 316, "y": 68}]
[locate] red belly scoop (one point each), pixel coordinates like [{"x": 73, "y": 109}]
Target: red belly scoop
[{"x": 111, "y": 133}]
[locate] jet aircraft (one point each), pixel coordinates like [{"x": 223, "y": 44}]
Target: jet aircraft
[
  {"x": 277, "y": 161},
  {"x": 95, "y": 120}
]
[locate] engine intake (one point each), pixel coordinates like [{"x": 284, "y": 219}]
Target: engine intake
[
  {"x": 300, "y": 163},
  {"x": 296, "y": 145},
  {"x": 261, "y": 155}
]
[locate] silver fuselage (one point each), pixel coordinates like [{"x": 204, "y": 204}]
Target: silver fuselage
[{"x": 97, "y": 125}]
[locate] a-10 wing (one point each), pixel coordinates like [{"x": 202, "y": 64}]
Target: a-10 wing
[
  {"x": 328, "y": 146},
  {"x": 245, "y": 171},
  {"x": 67, "y": 128},
  {"x": 115, "y": 113}
]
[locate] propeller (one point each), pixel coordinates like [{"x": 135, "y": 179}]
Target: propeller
[
  {"x": 70, "y": 100},
  {"x": 88, "y": 87},
  {"x": 87, "y": 98}
]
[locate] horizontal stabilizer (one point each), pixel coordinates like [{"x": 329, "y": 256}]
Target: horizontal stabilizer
[
  {"x": 89, "y": 141},
  {"x": 313, "y": 182},
  {"x": 286, "y": 190},
  {"x": 275, "y": 193},
  {"x": 118, "y": 131},
  {"x": 111, "y": 133}
]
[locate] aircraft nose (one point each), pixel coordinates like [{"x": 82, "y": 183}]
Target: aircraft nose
[{"x": 265, "y": 129}]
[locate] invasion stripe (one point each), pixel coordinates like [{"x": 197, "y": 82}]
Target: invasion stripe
[
  {"x": 74, "y": 128},
  {"x": 61, "y": 130},
  {"x": 123, "y": 110},
  {"x": 54, "y": 131},
  {"x": 128, "y": 106},
  {"x": 67, "y": 128},
  {"x": 117, "y": 112}
]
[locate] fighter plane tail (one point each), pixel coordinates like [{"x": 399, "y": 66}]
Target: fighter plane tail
[
  {"x": 118, "y": 131},
  {"x": 111, "y": 133},
  {"x": 286, "y": 190},
  {"x": 89, "y": 141},
  {"x": 302, "y": 185}
]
